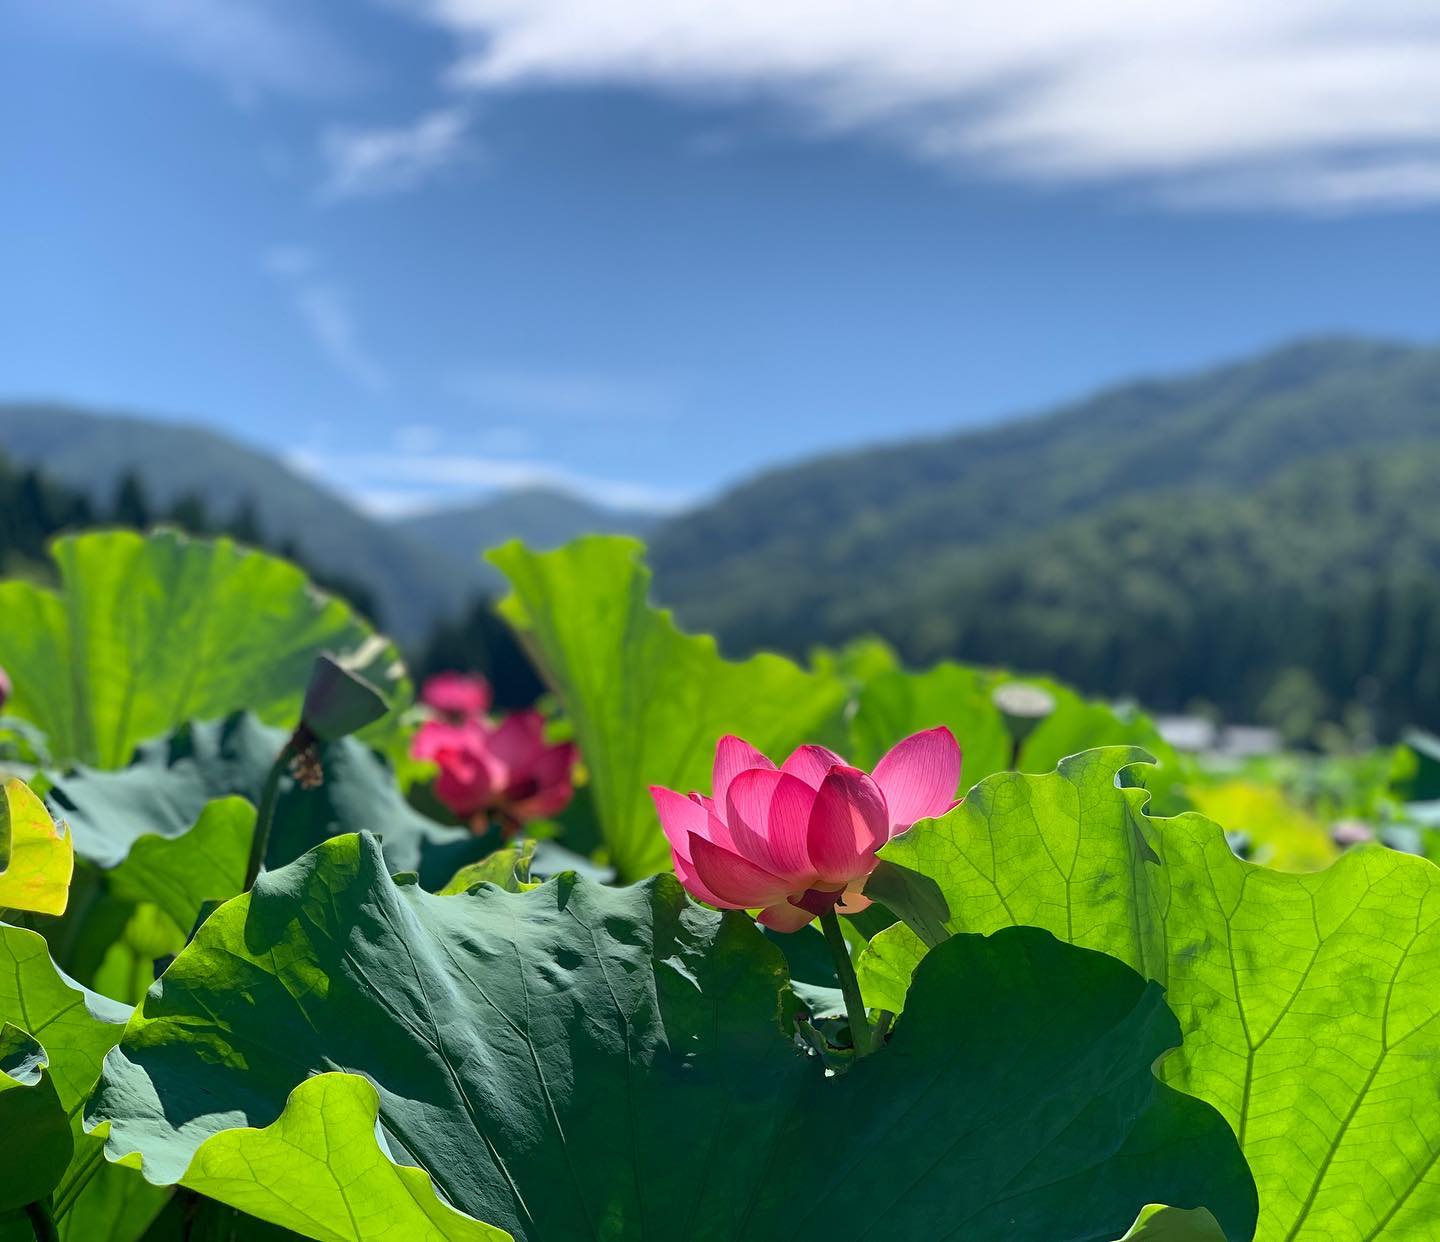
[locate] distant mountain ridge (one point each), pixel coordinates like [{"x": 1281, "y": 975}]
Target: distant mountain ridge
[
  {"x": 1267, "y": 523},
  {"x": 545, "y": 517},
  {"x": 965, "y": 545},
  {"x": 422, "y": 570},
  {"x": 885, "y": 509},
  {"x": 91, "y": 452}
]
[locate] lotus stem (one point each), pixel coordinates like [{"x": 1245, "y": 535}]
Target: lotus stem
[
  {"x": 849, "y": 985},
  {"x": 265, "y": 814},
  {"x": 42, "y": 1222}
]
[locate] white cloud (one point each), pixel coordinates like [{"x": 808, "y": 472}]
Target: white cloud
[
  {"x": 399, "y": 482},
  {"x": 1319, "y": 103},
  {"x": 326, "y": 310},
  {"x": 569, "y": 395},
  {"x": 1334, "y": 188},
  {"x": 386, "y": 160}
]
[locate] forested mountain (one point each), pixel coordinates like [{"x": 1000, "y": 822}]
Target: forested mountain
[
  {"x": 34, "y": 510},
  {"x": 1264, "y": 530},
  {"x": 416, "y": 572},
  {"x": 1264, "y": 536},
  {"x": 411, "y": 585},
  {"x": 544, "y": 517}
]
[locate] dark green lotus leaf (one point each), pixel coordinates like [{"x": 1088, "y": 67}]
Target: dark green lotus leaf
[
  {"x": 1309, "y": 1002},
  {"x": 582, "y": 1061},
  {"x": 170, "y": 780},
  {"x": 147, "y": 631},
  {"x": 30, "y": 1112}
]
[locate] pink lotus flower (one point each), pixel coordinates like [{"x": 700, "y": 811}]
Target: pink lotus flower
[
  {"x": 456, "y": 696},
  {"x": 508, "y": 770},
  {"x": 801, "y": 840}
]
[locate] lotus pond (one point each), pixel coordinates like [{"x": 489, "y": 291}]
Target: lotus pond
[{"x": 695, "y": 949}]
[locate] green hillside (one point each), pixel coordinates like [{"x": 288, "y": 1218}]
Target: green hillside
[
  {"x": 413, "y": 584},
  {"x": 544, "y": 517},
  {"x": 421, "y": 570},
  {"x": 1202, "y": 538}
]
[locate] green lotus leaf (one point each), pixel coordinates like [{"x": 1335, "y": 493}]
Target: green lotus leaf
[
  {"x": 100, "y": 1200},
  {"x": 895, "y": 703},
  {"x": 39, "y": 855},
  {"x": 1078, "y": 724},
  {"x": 126, "y": 919},
  {"x": 76, "y": 1027},
  {"x": 180, "y": 875},
  {"x": 30, "y": 1112},
  {"x": 1158, "y": 1223},
  {"x": 145, "y": 632},
  {"x": 508, "y": 867},
  {"x": 1308, "y": 1002},
  {"x": 171, "y": 779},
  {"x": 319, "y": 1170},
  {"x": 584, "y": 1061},
  {"x": 647, "y": 702},
  {"x": 73, "y": 1028}
]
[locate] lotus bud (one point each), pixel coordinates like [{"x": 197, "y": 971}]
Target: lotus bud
[{"x": 339, "y": 701}]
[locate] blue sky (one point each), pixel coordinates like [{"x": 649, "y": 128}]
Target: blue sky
[{"x": 644, "y": 248}]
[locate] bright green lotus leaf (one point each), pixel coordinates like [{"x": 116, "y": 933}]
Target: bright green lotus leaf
[
  {"x": 128, "y": 958},
  {"x": 1158, "y": 1223},
  {"x": 142, "y": 911},
  {"x": 319, "y": 1170},
  {"x": 509, "y": 868},
  {"x": 896, "y": 704},
  {"x": 171, "y": 779},
  {"x": 180, "y": 874},
  {"x": 1279, "y": 833},
  {"x": 75, "y": 1028},
  {"x": 647, "y": 701},
  {"x": 1077, "y": 724},
  {"x": 38, "y": 854},
  {"x": 585, "y": 1061},
  {"x": 1308, "y": 1002},
  {"x": 145, "y": 632},
  {"x": 37, "y": 1131}
]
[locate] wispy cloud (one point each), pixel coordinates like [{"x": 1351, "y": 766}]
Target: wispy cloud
[
  {"x": 553, "y": 393},
  {"x": 1310, "y": 103},
  {"x": 393, "y": 483},
  {"x": 362, "y": 162},
  {"x": 250, "y": 46},
  {"x": 327, "y": 313}
]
